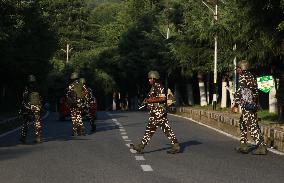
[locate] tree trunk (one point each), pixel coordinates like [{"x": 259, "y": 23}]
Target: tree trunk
[
  {"x": 230, "y": 88},
  {"x": 189, "y": 94},
  {"x": 203, "y": 101},
  {"x": 224, "y": 94},
  {"x": 272, "y": 101},
  {"x": 208, "y": 88},
  {"x": 177, "y": 95}
]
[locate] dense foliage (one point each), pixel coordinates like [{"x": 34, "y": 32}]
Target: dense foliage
[{"x": 115, "y": 43}]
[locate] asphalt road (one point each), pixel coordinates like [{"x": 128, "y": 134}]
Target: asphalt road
[{"x": 104, "y": 157}]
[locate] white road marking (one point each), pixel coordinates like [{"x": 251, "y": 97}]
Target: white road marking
[
  {"x": 123, "y": 133},
  {"x": 122, "y": 130},
  {"x": 125, "y": 137},
  {"x": 114, "y": 119},
  {"x": 127, "y": 140},
  {"x": 139, "y": 158},
  {"x": 128, "y": 145},
  {"x": 146, "y": 168},
  {"x": 226, "y": 134},
  {"x": 133, "y": 151}
]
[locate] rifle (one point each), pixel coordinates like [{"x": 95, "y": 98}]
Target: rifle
[{"x": 143, "y": 104}]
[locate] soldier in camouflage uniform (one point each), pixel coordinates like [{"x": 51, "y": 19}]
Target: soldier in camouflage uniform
[
  {"x": 30, "y": 110},
  {"x": 76, "y": 99},
  {"x": 246, "y": 96},
  {"x": 90, "y": 101},
  {"x": 156, "y": 101}
]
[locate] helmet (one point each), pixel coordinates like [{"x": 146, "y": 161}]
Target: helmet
[
  {"x": 74, "y": 75},
  {"x": 244, "y": 65},
  {"x": 31, "y": 78},
  {"x": 82, "y": 80},
  {"x": 153, "y": 75}
]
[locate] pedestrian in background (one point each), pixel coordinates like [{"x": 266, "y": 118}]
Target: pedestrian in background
[
  {"x": 30, "y": 110},
  {"x": 247, "y": 98}
]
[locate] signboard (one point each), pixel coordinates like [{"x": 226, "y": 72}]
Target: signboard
[{"x": 265, "y": 83}]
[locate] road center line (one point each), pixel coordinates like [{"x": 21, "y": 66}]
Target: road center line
[
  {"x": 146, "y": 168},
  {"x": 139, "y": 158}
]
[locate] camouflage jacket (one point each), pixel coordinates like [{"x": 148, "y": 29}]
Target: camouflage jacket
[
  {"x": 247, "y": 90},
  {"x": 157, "y": 90}
]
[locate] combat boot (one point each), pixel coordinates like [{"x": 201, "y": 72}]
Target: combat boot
[
  {"x": 243, "y": 148},
  {"x": 175, "y": 149},
  {"x": 94, "y": 128},
  {"x": 139, "y": 148},
  {"x": 37, "y": 140},
  {"x": 74, "y": 134},
  {"x": 260, "y": 150},
  {"x": 23, "y": 140}
]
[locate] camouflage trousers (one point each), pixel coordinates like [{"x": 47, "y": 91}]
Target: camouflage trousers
[
  {"x": 77, "y": 122},
  {"x": 158, "y": 118},
  {"x": 33, "y": 115},
  {"x": 248, "y": 122}
]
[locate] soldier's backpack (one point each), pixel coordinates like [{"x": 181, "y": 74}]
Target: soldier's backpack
[
  {"x": 247, "y": 97},
  {"x": 34, "y": 98},
  {"x": 76, "y": 93},
  {"x": 78, "y": 90}
]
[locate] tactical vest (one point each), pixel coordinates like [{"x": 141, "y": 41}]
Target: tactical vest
[
  {"x": 34, "y": 98},
  {"x": 78, "y": 90}
]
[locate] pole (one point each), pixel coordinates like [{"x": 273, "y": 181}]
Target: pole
[
  {"x": 67, "y": 53},
  {"x": 215, "y": 62},
  {"x": 235, "y": 69}
]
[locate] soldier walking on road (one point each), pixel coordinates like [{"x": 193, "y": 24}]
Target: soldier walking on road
[
  {"x": 76, "y": 97},
  {"x": 247, "y": 98},
  {"x": 30, "y": 110},
  {"x": 156, "y": 101},
  {"x": 90, "y": 105}
]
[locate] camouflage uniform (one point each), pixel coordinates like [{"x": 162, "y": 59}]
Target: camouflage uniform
[
  {"x": 30, "y": 113},
  {"x": 158, "y": 117},
  {"x": 91, "y": 101},
  {"x": 77, "y": 109},
  {"x": 248, "y": 120}
]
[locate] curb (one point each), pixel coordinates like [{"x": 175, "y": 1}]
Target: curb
[{"x": 226, "y": 134}]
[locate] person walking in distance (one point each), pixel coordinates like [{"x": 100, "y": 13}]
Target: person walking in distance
[
  {"x": 156, "y": 101},
  {"x": 30, "y": 110},
  {"x": 247, "y": 98},
  {"x": 76, "y": 96}
]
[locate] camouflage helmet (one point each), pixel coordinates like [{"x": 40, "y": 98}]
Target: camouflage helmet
[
  {"x": 153, "y": 75},
  {"x": 83, "y": 80},
  {"x": 244, "y": 65},
  {"x": 31, "y": 78},
  {"x": 74, "y": 75}
]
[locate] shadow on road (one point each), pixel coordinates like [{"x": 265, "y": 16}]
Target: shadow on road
[{"x": 183, "y": 146}]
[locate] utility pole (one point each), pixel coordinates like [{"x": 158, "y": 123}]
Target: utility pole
[
  {"x": 215, "y": 14},
  {"x": 235, "y": 69},
  {"x": 67, "y": 51}
]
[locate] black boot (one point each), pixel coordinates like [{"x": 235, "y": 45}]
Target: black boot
[
  {"x": 23, "y": 140},
  {"x": 37, "y": 140}
]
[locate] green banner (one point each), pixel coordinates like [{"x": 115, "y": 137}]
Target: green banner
[{"x": 265, "y": 83}]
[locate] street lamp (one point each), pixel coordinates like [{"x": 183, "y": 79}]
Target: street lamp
[{"x": 215, "y": 14}]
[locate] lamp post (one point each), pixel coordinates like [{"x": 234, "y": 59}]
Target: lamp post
[{"x": 215, "y": 14}]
